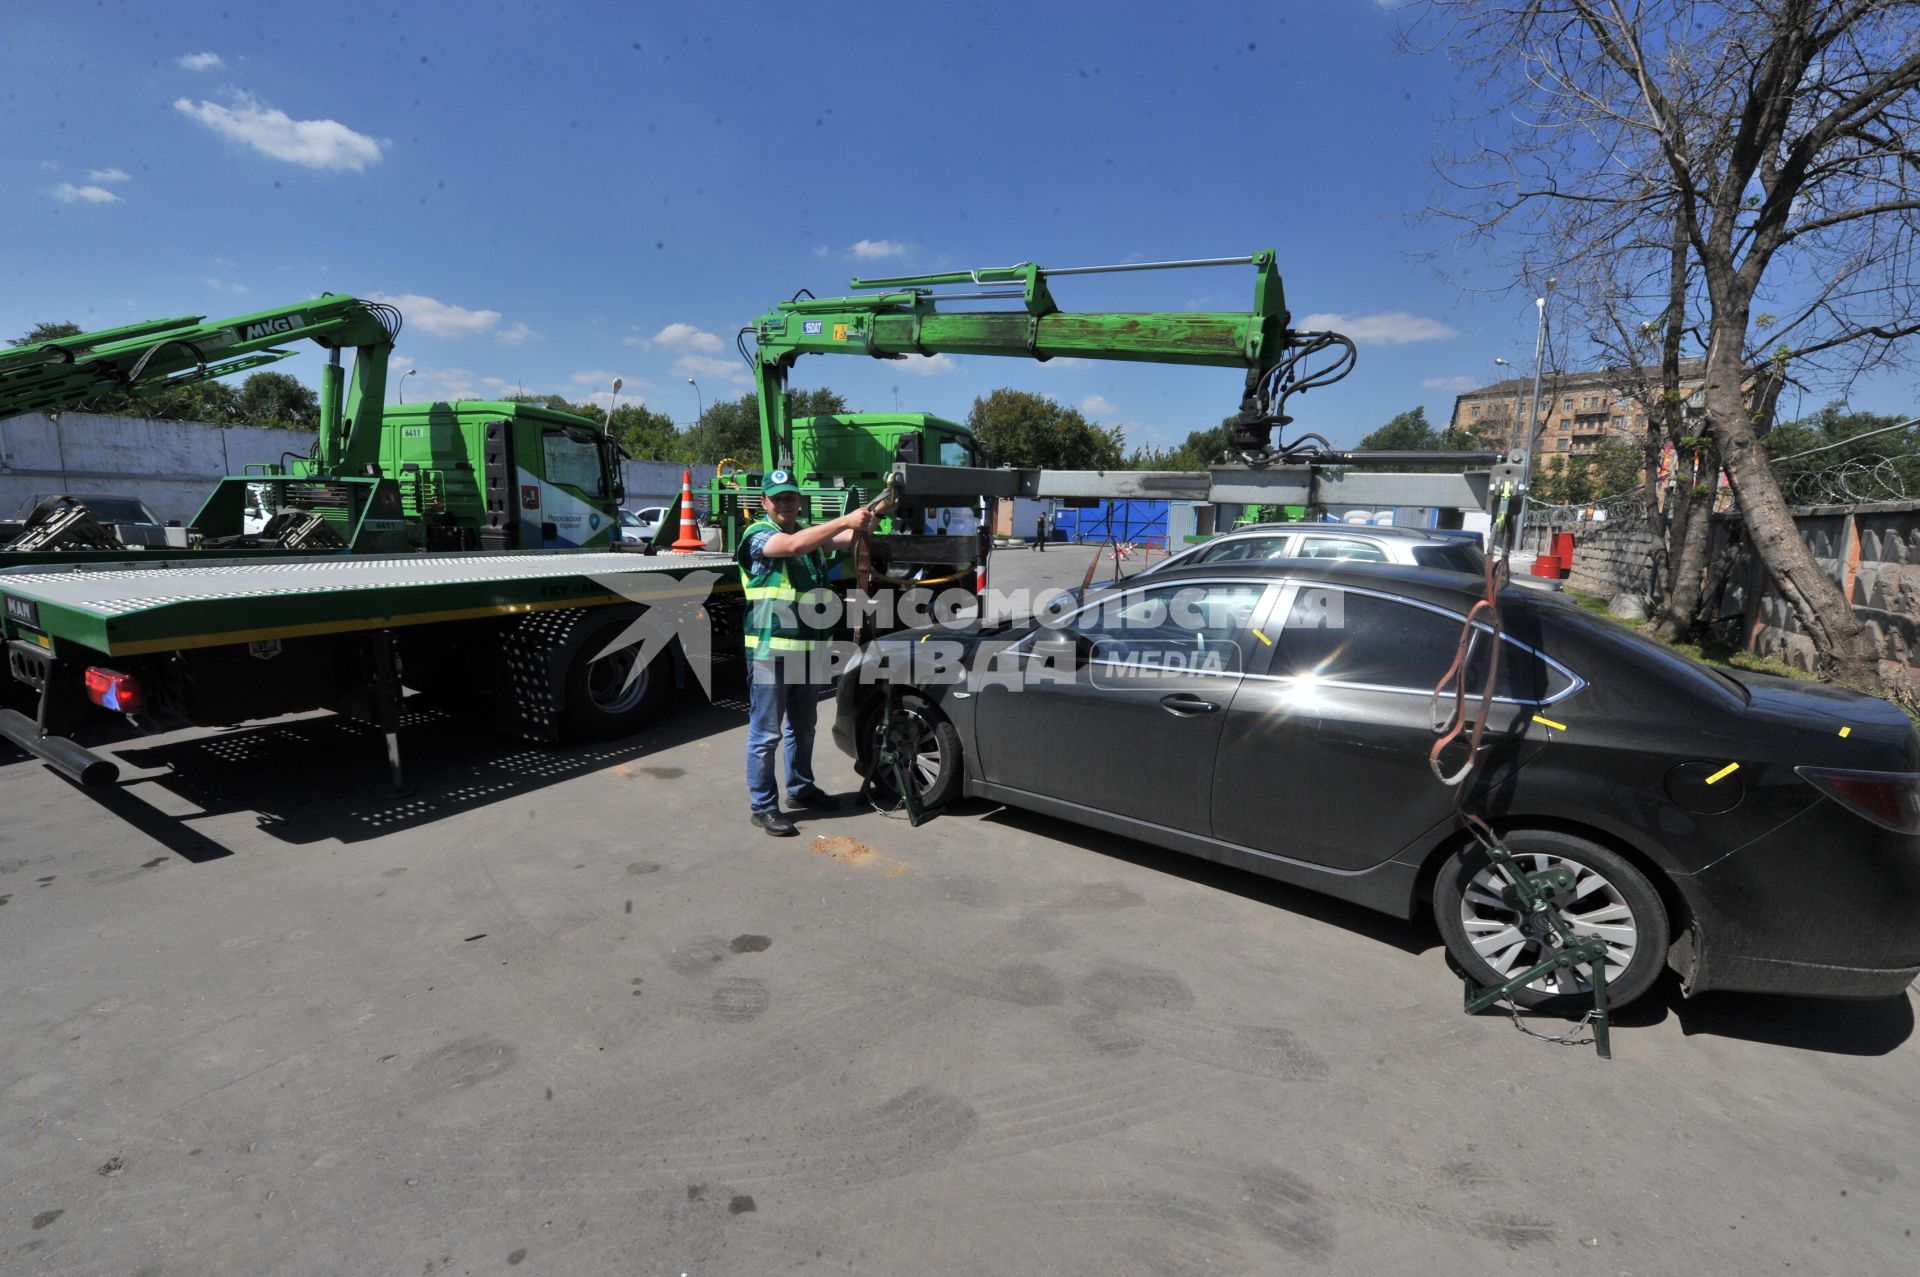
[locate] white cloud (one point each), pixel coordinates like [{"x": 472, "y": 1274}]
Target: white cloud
[
  {"x": 927, "y": 365},
  {"x": 48, "y": 166},
  {"x": 437, "y": 384},
  {"x": 707, "y": 366},
  {"x": 875, "y": 249},
  {"x": 594, "y": 377},
  {"x": 108, "y": 175},
  {"x": 321, "y": 144},
  {"x": 68, "y": 193},
  {"x": 200, "y": 61},
  {"x": 438, "y": 317},
  {"x": 1459, "y": 385},
  {"x": 1389, "y": 328},
  {"x": 1098, "y": 406},
  {"x": 221, "y": 285},
  {"x": 682, "y": 337},
  {"x": 518, "y": 335},
  {"x": 821, "y": 250}
]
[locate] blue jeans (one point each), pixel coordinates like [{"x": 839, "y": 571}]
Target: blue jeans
[{"x": 772, "y": 698}]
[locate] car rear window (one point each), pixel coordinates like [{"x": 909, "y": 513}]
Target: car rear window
[{"x": 1452, "y": 558}]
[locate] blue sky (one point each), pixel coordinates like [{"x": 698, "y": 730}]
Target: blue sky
[{"x": 559, "y": 194}]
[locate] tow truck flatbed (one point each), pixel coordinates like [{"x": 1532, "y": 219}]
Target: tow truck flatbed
[{"x": 131, "y": 608}]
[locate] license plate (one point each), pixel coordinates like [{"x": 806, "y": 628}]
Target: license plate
[{"x": 24, "y": 611}]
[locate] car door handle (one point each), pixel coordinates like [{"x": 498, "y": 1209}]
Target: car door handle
[{"x": 1186, "y": 704}]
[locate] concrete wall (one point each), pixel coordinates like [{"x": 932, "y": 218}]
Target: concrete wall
[
  {"x": 172, "y": 465},
  {"x": 1872, "y": 552}
]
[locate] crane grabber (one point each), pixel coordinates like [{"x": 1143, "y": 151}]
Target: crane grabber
[
  {"x": 147, "y": 358},
  {"x": 906, "y": 316}
]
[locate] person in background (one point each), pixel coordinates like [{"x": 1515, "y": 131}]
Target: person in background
[
  {"x": 784, "y": 575},
  {"x": 1040, "y": 531}
]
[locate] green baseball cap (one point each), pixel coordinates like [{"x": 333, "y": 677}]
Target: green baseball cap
[{"x": 779, "y": 481}]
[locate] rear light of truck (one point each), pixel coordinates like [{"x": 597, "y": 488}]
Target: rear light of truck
[
  {"x": 111, "y": 689},
  {"x": 1890, "y": 800}
]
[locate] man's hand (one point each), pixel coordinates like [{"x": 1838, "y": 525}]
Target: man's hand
[{"x": 860, "y": 520}]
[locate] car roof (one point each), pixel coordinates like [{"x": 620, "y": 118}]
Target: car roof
[
  {"x": 1455, "y": 590},
  {"x": 1361, "y": 529}
]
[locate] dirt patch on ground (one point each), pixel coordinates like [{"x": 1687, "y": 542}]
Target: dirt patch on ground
[{"x": 851, "y": 851}]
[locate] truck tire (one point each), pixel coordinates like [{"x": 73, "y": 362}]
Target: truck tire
[{"x": 600, "y": 701}]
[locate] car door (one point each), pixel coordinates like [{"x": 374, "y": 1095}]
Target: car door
[
  {"x": 1134, "y": 729},
  {"x": 1324, "y": 754}
]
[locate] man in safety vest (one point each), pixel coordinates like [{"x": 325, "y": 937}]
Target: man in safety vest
[{"x": 790, "y": 614}]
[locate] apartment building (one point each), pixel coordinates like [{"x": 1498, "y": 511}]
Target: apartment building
[{"x": 1577, "y": 410}]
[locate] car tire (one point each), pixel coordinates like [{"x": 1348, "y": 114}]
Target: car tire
[
  {"x": 598, "y": 702},
  {"x": 938, "y": 768},
  {"x": 1485, "y": 939}
]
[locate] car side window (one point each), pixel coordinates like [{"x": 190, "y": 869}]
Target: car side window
[
  {"x": 1342, "y": 548},
  {"x": 1173, "y": 625},
  {"x": 1246, "y": 550},
  {"x": 1347, "y": 637},
  {"x": 1343, "y": 636}
]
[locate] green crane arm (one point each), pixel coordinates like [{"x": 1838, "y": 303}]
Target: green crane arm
[
  {"x": 903, "y": 318},
  {"x": 144, "y": 358}
]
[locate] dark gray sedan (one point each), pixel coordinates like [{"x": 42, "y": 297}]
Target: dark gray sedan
[{"x": 1759, "y": 834}]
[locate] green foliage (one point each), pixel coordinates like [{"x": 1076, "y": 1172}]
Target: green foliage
[
  {"x": 275, "y": 399},
  {"x": 1833, "y": 424},
  {"x": 1612, "y": 468},
  {"x": 1201, "y": 449},
  {"x": 1028, "y": 430},
  {"x": 731, "y": 428},
  {"x": 46, "y": 332}
]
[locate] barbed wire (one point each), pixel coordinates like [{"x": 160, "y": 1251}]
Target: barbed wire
[{"x": 1854, "y": 481}]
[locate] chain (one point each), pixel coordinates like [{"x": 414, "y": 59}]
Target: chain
[{"x": 1558, "y": 1039}]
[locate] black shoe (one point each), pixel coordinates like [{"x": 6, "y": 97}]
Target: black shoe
[
  {"x": 815, "y": 800},
  {"x": 775, "y": 823}
]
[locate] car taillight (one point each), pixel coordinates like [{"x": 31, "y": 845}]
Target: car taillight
[
  {"x": 111, "y": 689},
  {"x": 1889, "y": 799}
]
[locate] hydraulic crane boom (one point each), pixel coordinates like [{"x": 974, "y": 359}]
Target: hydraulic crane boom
[
  {"x": 904, "y": 317},
  {"x": 153, "y": 356}
]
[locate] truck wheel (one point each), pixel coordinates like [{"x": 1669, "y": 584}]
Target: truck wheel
[
  {"x": 1491, "y": 941},
  {"x": 605, "y": 698}
]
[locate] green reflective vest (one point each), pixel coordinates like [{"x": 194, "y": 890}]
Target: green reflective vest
[{"x": 780, "y": 600}]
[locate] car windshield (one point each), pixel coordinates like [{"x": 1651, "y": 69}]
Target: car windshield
[
  {"x": 117, "y": 510},
  {"x": 1454, "y": 558}
]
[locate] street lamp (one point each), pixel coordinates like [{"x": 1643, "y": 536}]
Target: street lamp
[
  {"x": 400, "y": 386},
  {"x": 699, "y": 399},
  {"x": 1533, "y": 411},
  {"x": 612, "y": 403}
]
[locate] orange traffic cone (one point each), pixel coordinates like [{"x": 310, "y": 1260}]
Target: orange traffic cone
[{"x": 689, "y": 542}]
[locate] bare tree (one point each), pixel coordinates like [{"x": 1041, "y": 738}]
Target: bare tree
[{"x": 1782, "y": 135}]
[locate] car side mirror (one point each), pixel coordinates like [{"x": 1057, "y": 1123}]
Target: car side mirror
[{"x": 1062, "y": 649}]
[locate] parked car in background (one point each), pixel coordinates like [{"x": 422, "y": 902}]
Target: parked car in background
[
  {"x": 640, "y": 525},
  {"x": 1759, "y": 834},
  {"x": 127, "y": 517},
  {"x": 1416, "y": 547}
]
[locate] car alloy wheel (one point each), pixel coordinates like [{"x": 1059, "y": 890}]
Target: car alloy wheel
[{"x": 1492, "y": 941}]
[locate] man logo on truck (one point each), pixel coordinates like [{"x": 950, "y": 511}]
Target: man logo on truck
[{"x": 268, "y": 327}]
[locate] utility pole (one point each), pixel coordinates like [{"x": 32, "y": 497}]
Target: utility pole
[{"x": 1533, "y": 413}]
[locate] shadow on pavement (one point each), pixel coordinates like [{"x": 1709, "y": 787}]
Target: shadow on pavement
[
  {"x": 1416, "y": 937},
  {"x": 324, "y": 777},
  {"x": 1875, "y": 1027}
]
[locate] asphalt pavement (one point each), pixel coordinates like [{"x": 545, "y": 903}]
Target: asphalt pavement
[{"x": 566, "y": 1011}]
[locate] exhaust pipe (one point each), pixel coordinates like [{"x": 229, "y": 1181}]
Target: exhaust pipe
[{"x": 75, "y": 762}]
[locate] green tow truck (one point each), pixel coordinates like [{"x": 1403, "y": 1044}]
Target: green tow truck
[{"x": 458, "y": 548}]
